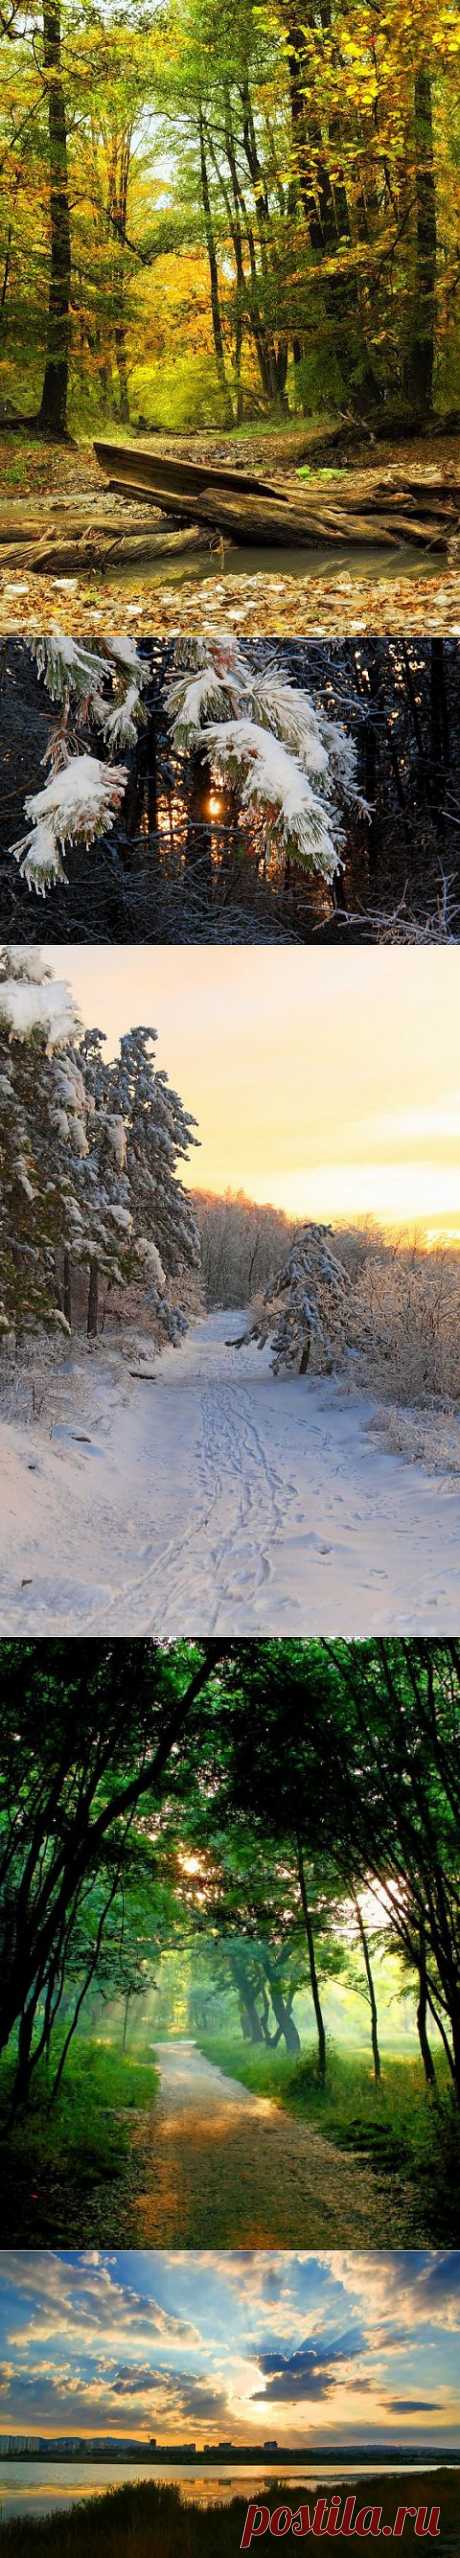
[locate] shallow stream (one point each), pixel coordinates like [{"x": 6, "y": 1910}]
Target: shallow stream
[{"x": 356, "y": 559}]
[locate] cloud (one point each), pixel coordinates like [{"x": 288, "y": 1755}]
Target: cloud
[
  {"x": 412, "y": 2406},
  {"x": 398, "y": 2294},
  {"x": 311, "y": 2372},
  {"x": 89, "y": 2295}
]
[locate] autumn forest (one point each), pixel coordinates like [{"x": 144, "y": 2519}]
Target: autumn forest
[{"x": 208, "y": 217}]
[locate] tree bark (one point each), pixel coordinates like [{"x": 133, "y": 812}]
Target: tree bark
[
  {"x": 67, "y": 1291},
  {"x": 422, "y": 2006},
  {"x": 282, "y": 2010},
  {"x": 320, "y": 2026},
  {"x": 370, "y": 1985},
  {"x": 214, "y": 279},
  {"x": 93, "y": 1302},
  {"x": 52, "y": 418},
  {"x": 419, "y": 367}
]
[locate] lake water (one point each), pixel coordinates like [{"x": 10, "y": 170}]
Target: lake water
[{"x": 29, "y": 2486}]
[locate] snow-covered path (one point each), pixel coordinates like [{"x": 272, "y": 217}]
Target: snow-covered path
[{"x": 220, "y": 1499}]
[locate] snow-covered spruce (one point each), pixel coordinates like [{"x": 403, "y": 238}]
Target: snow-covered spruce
[
  {"x": 84, "y": 795},
  {"x": 88, "y": 1160},
  {"x": 305, "y": 1306},
  {"x": 42, "y": 1137},
  {"x": 296, "y": 767}
]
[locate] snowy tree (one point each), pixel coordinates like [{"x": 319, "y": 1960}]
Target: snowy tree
[
  {"x": 138, "y": 1223},
  {"x": 104, "y": 1227},
  {"x": 83, "y": 797},
  {"x": 43, "y": 1137},
  {"x": 295, "y": 767},
  {"x": 89, "y": 1152},
  {"x": 305, "y": 1307},
  {"x": 159, "y": 1133}
]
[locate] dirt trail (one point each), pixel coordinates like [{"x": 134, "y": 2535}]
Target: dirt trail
[{"x": 226, "y": 2168}]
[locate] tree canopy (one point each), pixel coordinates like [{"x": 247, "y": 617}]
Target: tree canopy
[
  {"x": 279, "y": 1805},
  {"x": 209, "y": 212}
]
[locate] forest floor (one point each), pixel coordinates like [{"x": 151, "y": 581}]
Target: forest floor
[
  {"x": 393, "y": 596},
  {"x": 209, "y": 1494},
  {"x": 223, "y": 2166}
]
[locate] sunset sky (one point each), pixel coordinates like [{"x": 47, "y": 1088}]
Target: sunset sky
[
  {"x": 306, "y": 2348},
  {"x": 325, "y": 1081}
]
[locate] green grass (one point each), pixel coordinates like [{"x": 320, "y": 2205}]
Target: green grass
[
  {"x": 152, "y": 2522},
  {"x": 58, "y": 2159},
  {"x": 398, "y": 2127}
]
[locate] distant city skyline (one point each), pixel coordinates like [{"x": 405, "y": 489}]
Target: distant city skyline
[
  {"x": 337, "y": 2348},
  {"x": 325, "y": 1081}
]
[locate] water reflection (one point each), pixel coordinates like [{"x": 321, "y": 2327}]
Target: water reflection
[{"x": 32, "y": 2487}]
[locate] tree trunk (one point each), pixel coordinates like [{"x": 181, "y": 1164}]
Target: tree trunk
[
  {"x": 370, "y": 1984},
  {"x": 418, "y": 372},
  {"x": 198, "y": 851},
  {"x": 314, "y": 1983},
  {"x": 67, "y": 1291},
  {"x": 93, "y": 1302},
  {"x": 304, "y": 1361},
  {"x": 22, "y": 2074},
  {"x": 126, "y": 2015},
  {"x": 439, "y": 710},
  {"x": 287, "y": 2029},
  {"x": 214, "y": 280},
  {"x": 121, "y": 360},
  {"x": 422, "y": 2005},
  {"x": 53, "y": 408},
  {"x": 251, "y": 2027}
]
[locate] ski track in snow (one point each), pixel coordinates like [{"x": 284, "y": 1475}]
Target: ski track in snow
[{"x": 220, "y": 1499}]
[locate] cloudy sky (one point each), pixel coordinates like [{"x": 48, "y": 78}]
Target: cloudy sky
[
  {"x": 346, "y": 2348},
  {"x": 327, "y": 1081}
]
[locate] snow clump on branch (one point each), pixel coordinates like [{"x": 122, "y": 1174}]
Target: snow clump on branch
[
  {"x": 80, "y": 801},
  {"x": 32, "y": 1001},
  {"x": 84, "y": 795},
  {"x": 271, "y": 735}
]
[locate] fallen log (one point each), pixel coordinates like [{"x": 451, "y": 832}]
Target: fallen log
[
  {"x": 262, "y": 512},
  {"x": 72, "y": 559},
  {"x": 262, "y": 520},
  {"x": 381, "y": 426},
  {"x": 64, "y": 523},
  {"x": 126, "y": 466}
]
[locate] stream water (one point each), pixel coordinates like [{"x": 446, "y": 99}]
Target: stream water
[{"x": 356, "y": 559}]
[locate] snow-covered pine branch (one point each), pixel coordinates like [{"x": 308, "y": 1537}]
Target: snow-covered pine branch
[
  {"x": 84, "y": 795},
  {"x": 81, "y": 801},
  {"x": 305, "y": 1305},
  {"x": 295, "y": 766}
]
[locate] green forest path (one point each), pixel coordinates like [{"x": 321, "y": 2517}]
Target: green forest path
[{"x": 223, "y": 2167}]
